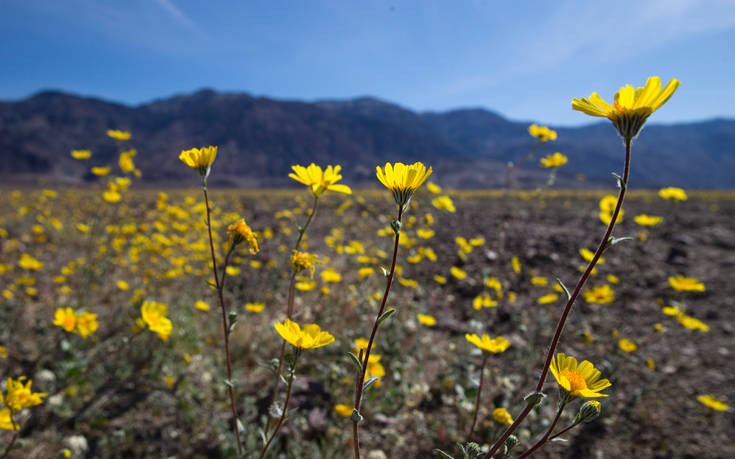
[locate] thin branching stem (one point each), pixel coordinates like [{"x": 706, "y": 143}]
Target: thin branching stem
[
  {"x": 285, "y": 406},
  {"x": 567, "y": 309},
  {"x": 366, "y": 359},
  {"x": 219, "y": 286},
  {"x": 546, "y": 436},
  {"x": 479, "y": 396}
]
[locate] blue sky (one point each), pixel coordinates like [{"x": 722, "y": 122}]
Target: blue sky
[{"x": 526, "y": 63}]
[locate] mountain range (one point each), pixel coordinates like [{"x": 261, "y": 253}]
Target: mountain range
[{"x": 260, "y": 138}]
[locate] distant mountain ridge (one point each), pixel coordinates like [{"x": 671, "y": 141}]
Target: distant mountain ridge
[{"x": 260, "y": 138}]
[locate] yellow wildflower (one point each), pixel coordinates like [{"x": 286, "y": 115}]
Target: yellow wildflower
[
  {"x": 202, "y": 305},
  {"x": 601, "y": 294},
  {"x": 631, "y": 107},
  {"x": 28, "y": 262},
  {"x": 365, "y": 272},
  {"x": 200, "y": 159},
  {"x": 343, "y": 410},
  {"x": 427, "y": 320},
  {"x": 154, "y": 315},
  {"x": 539, "y": 281},
  {"x": 483, "y": 301},
  {"x": 330, "y": 275},
  {"x": 100, "y": 171},
  {"x": 613, "y": 279},
  {"x": 547, "y": 299},
  {"x": 444, "y": 203},
  {"x": 403, "y": 180},
  {"x": 542, "y": 133},
  {"x": 673, "y": 194},
  {"x": 254, "y": 307},
  {"x": 239, "y": 232},
  {"x": 122, "y": 285},
  {"x": 118, "y": 135},
  {"x": 320, "y": 180},
  {"x": 692, "y": 323},
  {"x": 516, "y": 265},
  {"x": 627, "y": 345},
  {"x": 581, "y": 380},
  {"x": 555, "y": 160},
  {"x": 65, "y": 318},
  {"x": 686, "y": 284},
  {"x": 86, "y": 324},
  {"x": 433, "y": 188},
  {"x": 712, "y": 402},
  {"x": 647, "y": 220},
  {"x": 424, "y": 233},
  {"x": 303, "y": 260},
  {"x": 457, "y": 272},
  {"x": 19, "y": 396},
  {"x": 81, "y": 154},
  {"x": 494, "y": 346},
  {"x": 310, "y": 337},
  {"x": 440, "y": 279},
  {"x": 588, "y": 255},
  {"x": 502, "y": 416}
]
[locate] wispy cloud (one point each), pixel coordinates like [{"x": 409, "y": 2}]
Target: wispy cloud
[{"x": 176, "y": 13}]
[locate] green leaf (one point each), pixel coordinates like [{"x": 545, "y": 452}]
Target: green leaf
[
  {"x": 356, "y": 361},
  {"x": 564, "y": 287},
  {"x": 440, "y": 453},
  {"x": 385, "y": 315},
  {"x": 369, "y": 383}
]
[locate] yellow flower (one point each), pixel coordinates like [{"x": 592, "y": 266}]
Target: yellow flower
[
  {"x": 547, "y": 299},
  {"x": 309, "y": 338},
  {"x": 433, "y": 188},
  {"x": 343, "y": 410},
  {"x": 118, "y": 135},
  {"x": 648, "y": 220},
  {"x": 440, "y": 279},
  {"x": 303, "y": 260},
  {"x": 81, "y": 154},
  {"x": 444, "y": 203},
  {"x": 712, "y": 402},
  {"x": 3, "y": 352},
  {"x": 427, "y": 320},
  {"x": 240, "y": 231},
  {"x": 111, "y": 196},
  {"x": 458, "y": 273},
  {"x": 86, "y": 324},
  {"x": 154, "y": 315},
  {"x": 19, "y": 395},
  {"x": 686, "y": 284},
  {"x": 539, "y": 281},
  {"x": 673, "y": 194},
  {"x": 255, "y": 307},
  {"x": 200, "y": 159},
  {"x": 126, "y": 161},
  {"x": 495, "y": 345},
  {"x": 330, "y": 275},
  {"x": 516, "y": 265},
  {"x": 6, "y": 422},
  {"x": 613, "y": 279},
  {"x": 601, "y": 294},
  {"x": 631, "y": 107},
  {"x": 501, "y": 416},
  {"x": 581, "y": 380},
  {"x": 627, "y": 345},
  {"x": 201, "y": 305},
  {"x": 542, "y": 133},
  {"x": 403, "y": 180},
  {"x": 122, "y": 285},
  {"x": 692, "y": 323},
  {"x": 483, "y": 301},
  {"x": 28, "y": 262},
  {"x": 588, "y": 255},
  {"x": 425, "y": 233},
  {"x": 365, "y": 272},
  {"x": 555, "y": 160},
  {"x": 100, "y": 171},
  {"x": 320, "y": 180},
  {"x": 65, "y": 318}
]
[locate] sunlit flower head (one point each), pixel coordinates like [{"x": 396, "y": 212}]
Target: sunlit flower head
[
  {"x": 542, "y": 133},
  {"x": 444, "y": 203},
  {"x": 19, "y": 395},
  {"x": 686, "y": 284},
  {"x": 554, "y": 160},
  {"x": 601, "y": 294},
  {"x": 627, "y": 345},
  {"x": 118, "y": 135},
  {"x": 494, "y": 345},
  {"x": 631, "y": 107},
  {"x": 28, "y": 262},
  {"x": 320, "y": 180},
  {"x": 692, "y": 323},
  {"x": 154, "y": 315},
  {"x": 403, "y": 180},
  {"x": 86, "y": 324},
  {"x": 65, "y": 318},
  {"x": 673, "y": 194},
  {"x": 501, "y": 416},
  {"x": 426, "y": 319},
  {"x": 310, "y": 337},
  {"x": 81, "y": 154},
  {"x": 199, "y": 159},
  {"x": 581, "y": 380},
  {"x": 647, "y": 220},
  {"x": 712, "y": 402},
  {"x": 303, "y": 260},
  {"x": 241, "y": 232},
  {"x": 100, "y": 171}
]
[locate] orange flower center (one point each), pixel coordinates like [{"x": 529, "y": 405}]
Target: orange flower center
[
  {"x": 576, "y": 380},
  {"x": 68, "y": 322}
]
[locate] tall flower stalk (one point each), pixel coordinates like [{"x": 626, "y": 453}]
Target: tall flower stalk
[
  {"x": 403, "y": 180},
  {"x": 628, "y": 114}
]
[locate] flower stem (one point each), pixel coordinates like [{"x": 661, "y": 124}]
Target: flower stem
[
  {"x": 567, "y": 309},
  {"x": 285, "y": 406},
  {"x": 226, "y": 333},
  {"x": 289, "y": 310},
  {"x": 361, "y": 380},
  {"x": 545, "y": 438},
  {"x": 477, "y": 400}
]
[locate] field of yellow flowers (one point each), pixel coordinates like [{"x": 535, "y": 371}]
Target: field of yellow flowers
[
  {"x": 79, "y": 276},
  {"x": 405, "y": 322}
]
